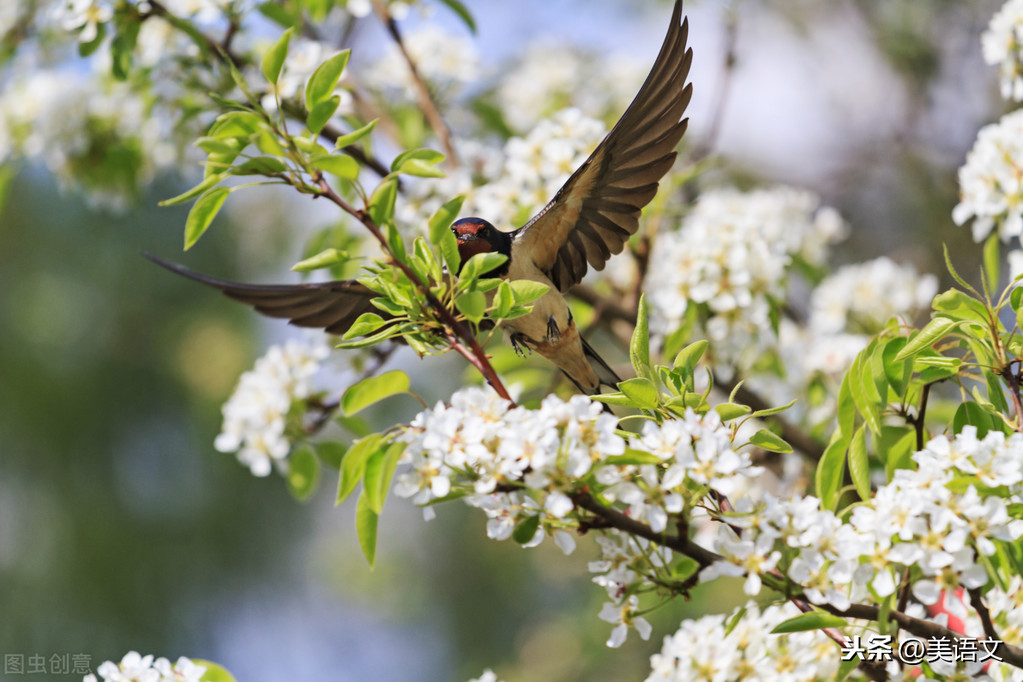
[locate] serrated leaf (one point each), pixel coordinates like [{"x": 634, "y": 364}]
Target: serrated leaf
[
  {"x": 641, "y": 391},
  {"x": 202, "y": 214},
  {"x": 814, "y": 620},
  {"x": 767, "y": 440},
  {"x": 639, "y": 346},
  {"x": 372, "y": 390},
  {"x": 859, "y": 467},
  {"x": 364, "y": 324},
  {"x": 321, "y": 113},
  {"x": 324, "y": 79},
  {"x": 936, "y": 329},
  {"x": 273, "y": 60},
  {"x": 339, "y": 165},
  {"x": 526, "y": 529},
  {"x": 303, "y": 473},
  {"x": 366, "y": 525},
  {"x": 353, "y": 466},
  {"x": 324, "y": 259},
  {"x": 351, "y": 138},
  {"x": 472, "y": 304}
]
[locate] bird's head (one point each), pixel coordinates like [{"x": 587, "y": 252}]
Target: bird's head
[{"x": 476, "y": 235}]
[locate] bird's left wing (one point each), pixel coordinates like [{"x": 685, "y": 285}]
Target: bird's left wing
[
  {"x": 332, "y": 306},
  {"x": 598, "y": 208}
]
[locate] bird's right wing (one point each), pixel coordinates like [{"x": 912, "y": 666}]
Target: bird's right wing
[{"x": 332, "y": 306}]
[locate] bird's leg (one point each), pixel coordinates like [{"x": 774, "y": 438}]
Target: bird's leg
[
  {"x": 520, "y": 344},
  {"x": 553, "y": 332}
]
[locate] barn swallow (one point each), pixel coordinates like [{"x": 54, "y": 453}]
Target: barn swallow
[{"x": 588, "y": 220}]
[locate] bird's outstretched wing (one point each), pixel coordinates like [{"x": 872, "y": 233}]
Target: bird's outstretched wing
[
  {"x": 595, "y": 212},
  {"x": 333, "y": 306}
]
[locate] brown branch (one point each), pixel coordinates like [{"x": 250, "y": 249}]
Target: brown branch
[
  {"x": 977, "y": 599},
  {"x": 920, "y": 415},
  {"x": 326, "y": 409},
  {"x": 426, "y": 102},
  {"x": 1012, "y": 377},
  {"x": 459, "y": 336}
]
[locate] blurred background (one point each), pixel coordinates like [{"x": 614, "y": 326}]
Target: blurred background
[{"x": 122, "y": 528}]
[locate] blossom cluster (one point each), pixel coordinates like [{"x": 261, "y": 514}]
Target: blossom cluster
[
  {"x": 516, "y": 464},
  {"x": 444, "y": 60},
  {"x": 1002, "y": 44},
  {"x": 720, "y": 648},
  {"x": 918, "y": 519},
  {"x": 512, "y": 183},
  {"x": 732, "y": 254},
  {"x": 256, "y": 414},
  {"x": 137, "y": 668},
  {"x": 991, "y": 181},
  {"x": 549, "y": 77}
]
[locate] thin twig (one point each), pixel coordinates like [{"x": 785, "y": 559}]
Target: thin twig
[
  {"x": 426, "y": 102},
  {"x": 920, "y": 415},
  {"x": 326, "y": 409},
  {"x": 792, "y": 434},
  {"x": 977, "y": 600}
]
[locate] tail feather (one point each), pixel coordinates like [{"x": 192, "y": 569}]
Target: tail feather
[{"x": 605, "y": 375}]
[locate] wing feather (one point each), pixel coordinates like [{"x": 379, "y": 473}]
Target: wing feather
[
  {"x": 597, "y": 210},
  {"x": 332, "y": 306}
]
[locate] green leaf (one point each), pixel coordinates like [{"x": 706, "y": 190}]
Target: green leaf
[
  {"x": 766, "y": 440},
  {"x": 331, "y": 452},
  {"x": 273, "y": 60},
  {"x": 936, "y": 329},
  {"x": 261, "y": 165},
  {"x": 733, "y": 621},
  {"x": 372, "y": 390},
  {"x": 366, "y": 524},
  {"x": 202, "y": 214},
  {"x": 992, "y": 260},
  {"x": 278, "y": 13},
  {"x": 641, "y": 391},
  {"x": 420, "y": 169},
  {"x": 955, "y": 275},
  {"x": 730, "y": 411},
  {"x": 428, "y": 156},
  {"x": 472, "y": 304},
  {"x": 379, "y": 472},
  {"x": 321, "y": 113},
  {"x": 504, "y": 301},
  {"x": 526, "y": 291},
  {"x": 214, "y": 672},
  {"x": 526, "y": 529},
  {"x": 366, "y": 323},
  {"x": 897, "y": 372},
  {"x": 815, "y": 620},
  {"x": 351, "y": 138},
  {"x": 830, "y": 470},
  {"x": 122, "y": 48},
  {"x": 381, "y": 203},
  {"x": 864, "y": 392},
  {"x": 970, "y": 413},
  {"x": 340, "y": 165},
  {"x": 634, "y": 457},
  {"x": 86, "y": 49},
  {"x": 689, "y": 356},
  {"x": 639, "y": 346},
  {"x": 481, "y": 264},
  {"x": 353, "y": 466},
  {"x": 324, "y": 259},
  {"x": 211, "y": 181},
  {"x": 859, "y": 467},
  {"x": 767, "y": 412},
  {"x": 303, "y": 473},
  {"x": 442, "y": 236},
  {"x": 324, "y": 79},
  {"x": 463, "y": 13}
]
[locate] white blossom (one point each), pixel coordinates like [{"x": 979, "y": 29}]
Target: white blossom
[
  {"x": 137, "y": 668},
  {"x": 991, "y": 180},
  {"x": 255, "y": 416},
  {"x": 1002, "y": 44},
  {"x": 442, "y": 59},
  {"x": 85, "y": 16}
]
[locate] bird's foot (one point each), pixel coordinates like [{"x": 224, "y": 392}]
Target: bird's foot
[
  {"x": 519, "y": 344},
  {"x": 553, "y": 332}
]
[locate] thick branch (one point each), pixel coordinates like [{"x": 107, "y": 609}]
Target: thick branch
[{"x": 426, "y": 102}]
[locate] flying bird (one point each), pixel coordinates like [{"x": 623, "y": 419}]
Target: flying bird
[{"x": 588, "y": 220}]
